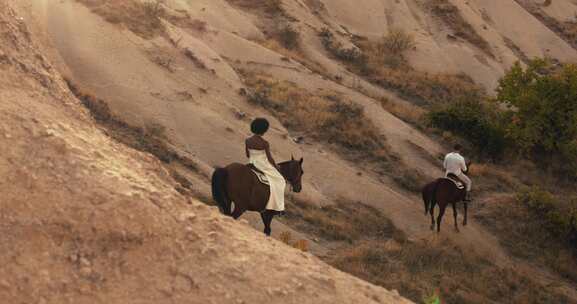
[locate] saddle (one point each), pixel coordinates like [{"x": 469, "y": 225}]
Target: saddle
[
  {"x": 458, "y": 182},
  {"x": 259, "y": 174}
]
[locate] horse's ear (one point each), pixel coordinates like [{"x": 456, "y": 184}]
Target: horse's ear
[
  {"x": 292, "y": 157},
  {"x": 302, "y": 160}
]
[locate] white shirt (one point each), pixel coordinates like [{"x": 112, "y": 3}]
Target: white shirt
[{"x": 455, "y": 163}]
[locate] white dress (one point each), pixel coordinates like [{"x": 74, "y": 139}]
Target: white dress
[{"x": 276, "y": 180}]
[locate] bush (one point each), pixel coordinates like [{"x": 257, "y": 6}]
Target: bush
[
  {"x": 560, "y": 217},
  {"x": 288, "y": 37},
  {"x": 397, "y": 42},
  {"x": 476, "y": 122},
  {"x": 391, "y": 49},
  {"x": 542, "y": 115}
]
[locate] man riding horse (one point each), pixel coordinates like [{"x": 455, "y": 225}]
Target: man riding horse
[{"x": 448, "y": 190}]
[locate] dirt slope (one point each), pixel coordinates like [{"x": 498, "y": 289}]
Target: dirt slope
[
  {"x": 87, "y": 220},
  {"x": 195, "y": 94}
]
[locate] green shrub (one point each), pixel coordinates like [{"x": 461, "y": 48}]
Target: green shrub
[
  {"x": 476, "y": 122},
  {"x": 543, "y": 112},
  {"x": 560, "y": 217}
]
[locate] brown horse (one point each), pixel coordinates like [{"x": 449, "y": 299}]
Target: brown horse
[
  {"x": 239, "y": 184},
  {"x": 443, "y": 192}
]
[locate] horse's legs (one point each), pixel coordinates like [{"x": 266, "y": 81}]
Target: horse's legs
[
  {"x": 465, "y": 219},
  {"x": 238, "y": 211},
  {"x": 432, "y": 211},
  {"x": 440, "y": 217},
  {"x": 267, "y": 216},
  {"x": 455, "y": 216}
]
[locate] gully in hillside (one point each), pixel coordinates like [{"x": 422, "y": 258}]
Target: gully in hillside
[{"x": 258, "y": 186}]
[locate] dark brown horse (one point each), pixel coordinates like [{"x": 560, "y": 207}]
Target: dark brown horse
[
  {"x": 237, "y": 183},
  {"x": 443, "y": 192}
]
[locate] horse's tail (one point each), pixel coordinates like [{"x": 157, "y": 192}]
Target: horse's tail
[
  {"x": 425, "y": 195},
  {"x": 428, "y": 193},
  {"x": 219, "y": 194}
]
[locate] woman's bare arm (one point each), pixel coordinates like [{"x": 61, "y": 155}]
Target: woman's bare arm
[{"x": 270, "y": 158}]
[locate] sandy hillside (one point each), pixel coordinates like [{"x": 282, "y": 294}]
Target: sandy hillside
[
  {"x": 87, "y": 220},
  {"x": 186, "y": 72}
]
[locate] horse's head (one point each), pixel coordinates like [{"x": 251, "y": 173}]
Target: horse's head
[{"x": 293, "y": 171}]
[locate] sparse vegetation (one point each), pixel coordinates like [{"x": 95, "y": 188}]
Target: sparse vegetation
[
  {"x": 273, "y": 8},
  {"x": 478, "y": 123},
  {"x": 288, "y": 37},
  {"x": 461, "y": 277},
  {"x": 323, "y": 116},
  {"x": 351, "y": 55},
  {"x": 451, "y": 17},
  {"x": 150, "y": 138},
  {"x": 390, "y": 51},
  {"x": 566, "y": 30},
  {"x": 520, "y": 230},
  {"x": 407, "y": 112},
  {"x": 420, "y": 87},
  {"x": 374, "y": 250},
  {"x": 560, "y": 218},
  {"x": 424, "y": 88},
  {"x": 142, "y": 18},
  {"x": 326, "y": 117},
  {"x": 344, "y": 221}
]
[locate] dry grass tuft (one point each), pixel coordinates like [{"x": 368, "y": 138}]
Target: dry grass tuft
[
  {"x": 425, "y": 88},
  {"x": 286, "y": 237},
  {"x": 344, "y": 221},
  {"x": 302, "y": 245},
  {"x": 407, "y": 112},
  {"x": 142, "y": 18},
  {"x": 492, "y": 178},
  {"x": 390, "y": 51}
]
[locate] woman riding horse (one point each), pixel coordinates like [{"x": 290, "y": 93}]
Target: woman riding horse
[
  {"x": 258, "y": 152},
  {"x": 238, "y": 183}
]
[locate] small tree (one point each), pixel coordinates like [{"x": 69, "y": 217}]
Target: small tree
[{"x": 542, "y": 102}]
